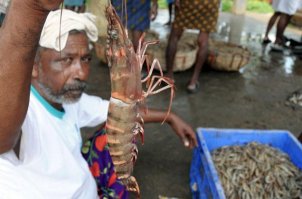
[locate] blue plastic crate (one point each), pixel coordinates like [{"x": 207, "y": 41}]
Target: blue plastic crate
[{"x": 204, "y": 180}]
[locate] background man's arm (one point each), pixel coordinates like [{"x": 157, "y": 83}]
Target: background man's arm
[{"x": 19, "y": 37}]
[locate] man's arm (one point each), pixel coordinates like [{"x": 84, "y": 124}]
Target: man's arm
[
  {"x": 183, "y": 130},
  {"x": 19, "y": 37}
]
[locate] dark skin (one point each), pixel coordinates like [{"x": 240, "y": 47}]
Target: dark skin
[
  {"x": 271, "y": 22},
  {"x": 170, "y": 7},
  {"x": 135, "y": 34},
  {"x": 172, "y": 49},
  {"x": 55, "y": 70},
  {"x": 284, "y": 20},
  {"x": 19, "y": 37}
]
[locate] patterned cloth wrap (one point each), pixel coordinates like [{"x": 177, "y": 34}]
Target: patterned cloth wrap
[
  {"x": 96, "y": 153},
  {"x": 197, "y": 14},
  {"x": 137, "y": 13}
]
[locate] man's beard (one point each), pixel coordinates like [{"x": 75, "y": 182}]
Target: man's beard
[{"x": 69, "y": 94}]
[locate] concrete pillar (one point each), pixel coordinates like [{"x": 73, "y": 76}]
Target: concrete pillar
[
  {"x": 97, "y": 7},
  {"x": 236, "y": 29},
  {"x": 239, "y": 7}
]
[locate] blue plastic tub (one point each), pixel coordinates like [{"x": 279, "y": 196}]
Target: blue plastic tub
[{"x": 204, "y": 180}]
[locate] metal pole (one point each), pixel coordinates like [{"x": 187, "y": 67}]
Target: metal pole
[{"x": 239, "y": 7}]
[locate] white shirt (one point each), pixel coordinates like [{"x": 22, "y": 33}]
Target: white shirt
[
  {"x": 51, "y": 164},
  {"x": 3, "y": 5},
  {"x": 289, "y": 7}
]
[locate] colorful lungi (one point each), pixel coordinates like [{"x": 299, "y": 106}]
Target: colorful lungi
[
  {"x": 96, "y": 153},
  {"x": 197, "y": 14},
  {"x": 137, "y": 12}
]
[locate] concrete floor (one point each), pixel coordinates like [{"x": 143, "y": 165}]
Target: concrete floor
[{"x": 253, "y": 98}]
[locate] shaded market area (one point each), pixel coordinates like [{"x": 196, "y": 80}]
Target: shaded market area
[
  {"x": 255, "y": 97},
  {"x": 217, "y": 66}
]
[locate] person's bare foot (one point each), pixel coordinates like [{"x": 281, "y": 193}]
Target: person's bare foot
[
  {"x": 266, "y": 41},
  {"x": 193, "y": 88}
]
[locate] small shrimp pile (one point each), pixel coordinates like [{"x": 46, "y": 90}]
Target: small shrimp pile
[
  {"x": 257, "y": 171},
  {"x": 295, "y": 98}
]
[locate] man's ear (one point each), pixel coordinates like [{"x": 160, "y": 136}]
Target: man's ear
[{"x": 35, "y": 71}]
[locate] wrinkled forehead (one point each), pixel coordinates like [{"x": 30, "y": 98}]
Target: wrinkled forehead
[
  {"x": 78, "y": 37},
  {"x": 74, "y": 32},
  {"x": 77, "y": 44}
]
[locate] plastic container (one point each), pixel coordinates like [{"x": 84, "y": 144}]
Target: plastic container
[{"x": 204, "y": 179}]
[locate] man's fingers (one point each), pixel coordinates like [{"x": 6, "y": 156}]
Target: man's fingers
[
  {"x": 194, "y": 140},
  {"x": 186, "y": 141},
  {"x": 189, "y": 141},
  {"x": 194, "y": 143}
]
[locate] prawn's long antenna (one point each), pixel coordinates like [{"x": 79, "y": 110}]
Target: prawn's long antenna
[
  {"x": 126, "y": 15},
  {"x": 122, "y": 11},
  {"x": 60, "y": 28}
]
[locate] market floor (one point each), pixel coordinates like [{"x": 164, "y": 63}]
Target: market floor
[{"x": 253, "y": 98}]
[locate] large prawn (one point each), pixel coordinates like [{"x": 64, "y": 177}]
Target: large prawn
[{"x": 124, "y": 122}]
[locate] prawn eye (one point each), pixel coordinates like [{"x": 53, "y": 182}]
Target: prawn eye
[{"x": 113, "y": 34}]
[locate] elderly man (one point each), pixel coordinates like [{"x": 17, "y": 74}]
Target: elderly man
[{"x": 50, "y": 156}]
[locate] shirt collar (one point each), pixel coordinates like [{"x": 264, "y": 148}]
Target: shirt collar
[{"x": 55, "y": 112}]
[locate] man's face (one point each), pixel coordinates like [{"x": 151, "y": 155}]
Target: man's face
[{"x": 62, "y": 75}]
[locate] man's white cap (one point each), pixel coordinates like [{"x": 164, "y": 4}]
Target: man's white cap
[{"x": 55, "y": 37}]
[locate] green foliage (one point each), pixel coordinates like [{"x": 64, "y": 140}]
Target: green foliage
[
  {"x": 259, "y": 6},
  {"x": 162, "y": 4},
  {"x": 227, "y": 5}
]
